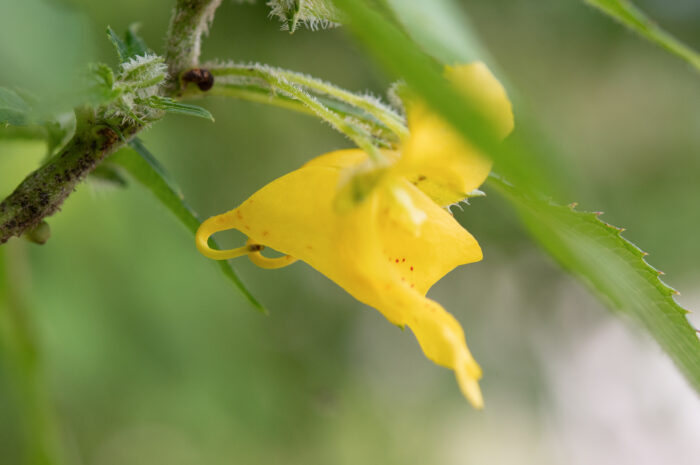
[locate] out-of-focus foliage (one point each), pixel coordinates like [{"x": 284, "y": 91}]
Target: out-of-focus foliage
[{"x": 606, "y": 261}]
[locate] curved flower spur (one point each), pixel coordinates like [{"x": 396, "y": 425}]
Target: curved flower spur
[{"x": 389, "y": 240}]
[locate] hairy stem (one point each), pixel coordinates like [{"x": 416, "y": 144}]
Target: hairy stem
[
  {"x": 284, "y": 82},
  {"x": 358, "y": 135},
  {"x": 42, "y": 192},
  {"x": 383, "y": 136},
  {"x": 383, "y": 113},
  {"x": 190, "y": 20}
]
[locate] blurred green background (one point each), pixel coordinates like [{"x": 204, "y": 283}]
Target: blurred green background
[{"x": 149, "y": 356}]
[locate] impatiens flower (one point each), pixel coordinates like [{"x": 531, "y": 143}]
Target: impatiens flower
[{"x": 388, "y": 248}]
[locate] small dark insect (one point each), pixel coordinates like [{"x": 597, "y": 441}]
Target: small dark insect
[{"x": 200, "y": 76}]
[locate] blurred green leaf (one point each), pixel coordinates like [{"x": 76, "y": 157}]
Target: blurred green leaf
[
  {"x": 399, "y": 54},
  {"x": 613, "y": 267},
  {"x": 172, "y": 106},
  {"x": 441, "y": 28},
  {"x": 592, "y": 250},
  {"x": 444, "y": 31},
  {"x": 13, "y": 109},
  {"x": 144, "y": 167},
  {"x": 629, "y": 15},
  {"x": 44, "y": 46}
]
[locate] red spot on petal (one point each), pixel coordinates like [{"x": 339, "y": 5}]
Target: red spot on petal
[
  {"x": 411, "y": 268},
  {"x": 397, "y": 260},
  {"x": 412, "y": 286},
  {"x": 239, "y": 214},
  {"x": 403, "y": 260}
]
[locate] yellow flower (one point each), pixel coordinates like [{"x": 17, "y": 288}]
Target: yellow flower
[{"x": 390, "y": 248}]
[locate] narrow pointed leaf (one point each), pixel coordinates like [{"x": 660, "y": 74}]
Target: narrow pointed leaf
[
  {"x": 615, "y": 269},
  {"x": 134, "y": 43},
  {"x": 629, "y": 15},
  {"x": 119, "y": 44},
  {"x": 145, "y": 169},
  {"x": 131, "y": 46}
]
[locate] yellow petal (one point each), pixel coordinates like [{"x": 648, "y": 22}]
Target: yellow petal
[
  {"x": 477, "y": 83},
  {"x": 367, "y": 250},
  {"x": 439, "y": 160}
]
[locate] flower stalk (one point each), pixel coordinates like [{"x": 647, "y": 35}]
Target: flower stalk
[
  {"x": 307, "y": 91},
  {"x": 189, "y": 21}
]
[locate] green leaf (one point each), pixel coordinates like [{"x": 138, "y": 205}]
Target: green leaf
[
  {"x": 172, "y": 106},
  {"x": 119, "y": 44},
  {"x": 13, "y": 108},
  {"x": 144, "y": 168},
  {"x": 590, "y": 249},
  {"x": 135, "y": 45},
  {"x": 101, "y": 90},
  {"x": 441, "y": 28},
  {"x": 614, "y": 268},
  {"x": 400, "y": 55},
  {"x": 629, "y": 15},
  {"x": 132, "y": 45},
  {"x": 314, "y": 14}
]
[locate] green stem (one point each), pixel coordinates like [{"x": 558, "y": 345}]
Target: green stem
[
  {"x": 383, "y": 113},
  {"x": 382, "y": 135},
  {"x": 358, "y": 135},
  {"x": 43, "y": 192},
  {"x": 344, "y": 124},
  {"x": 189, "y": 22}
]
